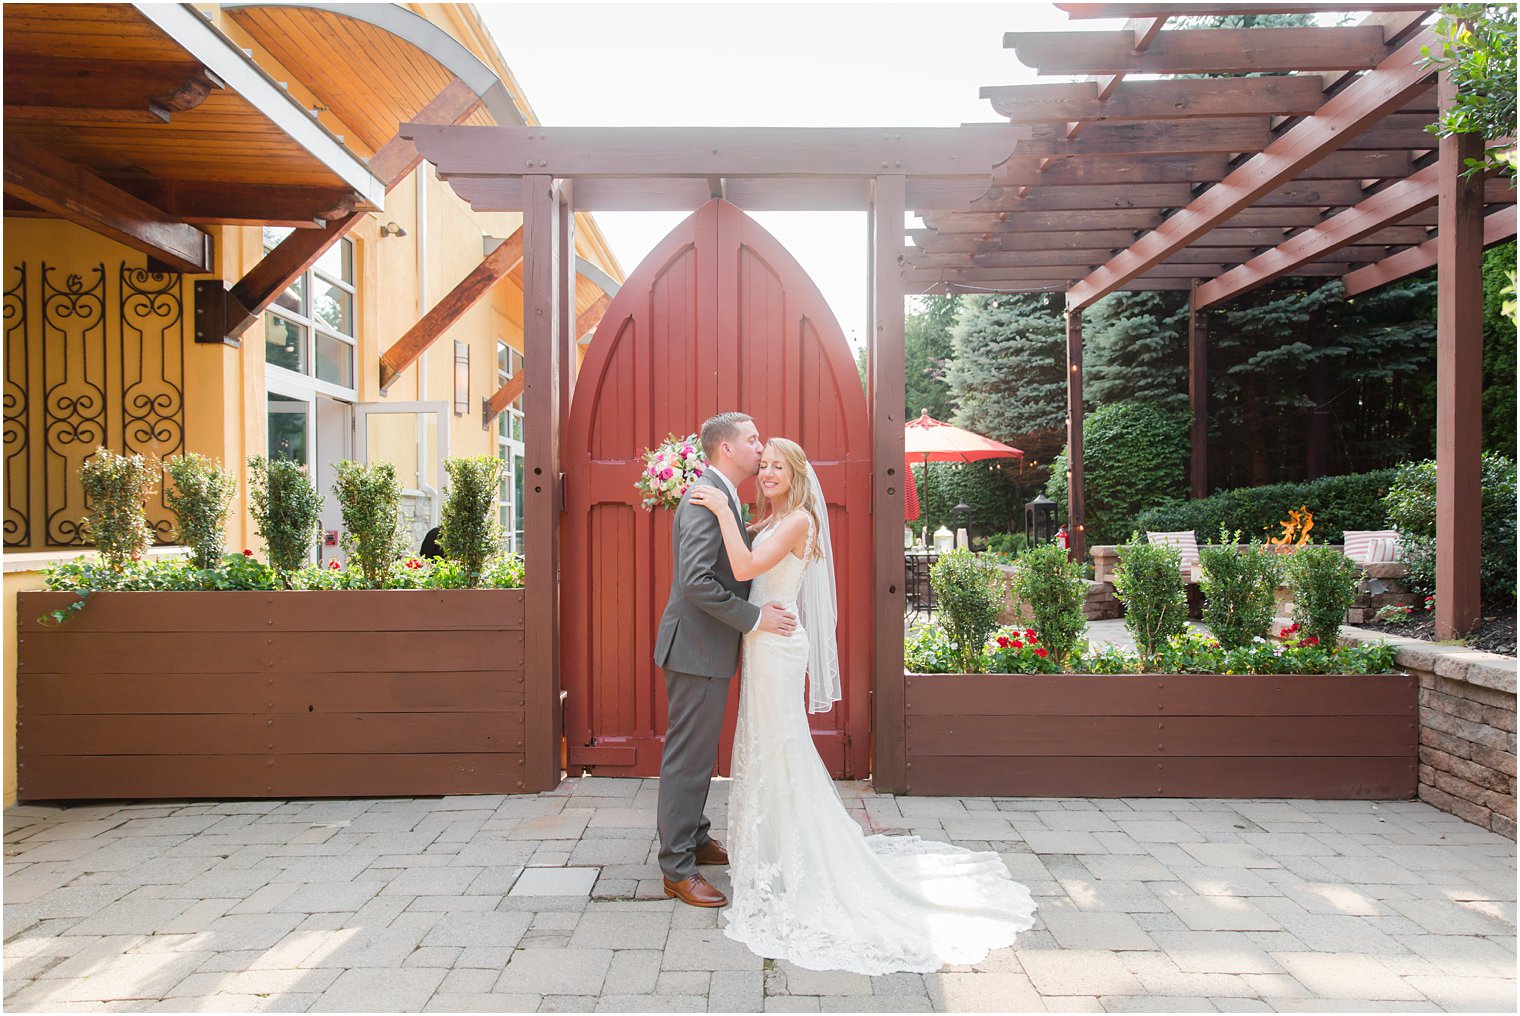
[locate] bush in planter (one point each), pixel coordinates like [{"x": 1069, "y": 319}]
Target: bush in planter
[
  {"x": 285, "y": 507},
  {"x": 1054, "y": 590},
  {"x": 200, "y": 499},
  {"x": 970, "y": 593},
  {"x": 375, "y": 534},
  {"x": 116, "y": 488},
  {"x": 469, "y": 528},
  {"x": 1411, "y": 509},
  {"x": 1148, "y": 581},
  {"x": 1239, "y": 589},
  {"x": 1323, "y": 582}
]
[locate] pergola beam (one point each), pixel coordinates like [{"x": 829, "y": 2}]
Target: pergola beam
[
  {"x": 1157, "y": 100},
  {"x": 593, "y": 194},
  {"x": 1298, "y": 252},
  {"x": 1353, "y": 111},
  {"x": 1497, "y": 227},
  {"x": 1217, "y": 51},
  {"x": 1082, "y": 11},
  {"x": 704, "y": 152},
  {"x": 406, "y": 350},
  {"x": 40, "y": 178}
]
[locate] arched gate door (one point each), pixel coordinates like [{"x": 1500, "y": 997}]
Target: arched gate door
[{"x": 718, "y": 317}]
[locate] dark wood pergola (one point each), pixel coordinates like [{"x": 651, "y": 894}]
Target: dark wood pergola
[
  {"x": 1213, "y": 186},
  {"x": 1220, "y": 185}
]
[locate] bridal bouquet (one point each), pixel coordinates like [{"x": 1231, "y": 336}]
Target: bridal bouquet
[{"x": 669, "y": 469}]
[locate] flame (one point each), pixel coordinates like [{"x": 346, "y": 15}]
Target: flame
[{"x": 1295, "y": 529}]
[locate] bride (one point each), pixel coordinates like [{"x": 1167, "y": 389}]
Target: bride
[{"x": 808, "y": 885}]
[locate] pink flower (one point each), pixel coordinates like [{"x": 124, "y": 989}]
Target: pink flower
[{"x": 667, "y": 473}]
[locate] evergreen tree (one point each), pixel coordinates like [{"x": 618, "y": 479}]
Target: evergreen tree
[
  {"x": 1498, "y": 353},
  {"x": 1008, "y": 373},
  {"x": 927, "y": 350},
  {"x": 1135, "y": 346}
]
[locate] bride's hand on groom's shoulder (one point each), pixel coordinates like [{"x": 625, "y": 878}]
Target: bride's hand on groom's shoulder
[{"x": 709, "y": 498}]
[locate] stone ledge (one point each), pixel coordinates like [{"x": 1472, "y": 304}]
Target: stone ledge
[{"x": 1456, "y": 663}]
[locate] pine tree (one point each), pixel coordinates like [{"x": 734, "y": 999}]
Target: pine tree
[
  {"x": 927, "y": 350},
  {"x": 1135, "y": 347},
  {"x": 1008, "y": 375}
]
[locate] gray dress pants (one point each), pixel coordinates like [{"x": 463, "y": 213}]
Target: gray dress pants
[{"x": 696, "y": 705}]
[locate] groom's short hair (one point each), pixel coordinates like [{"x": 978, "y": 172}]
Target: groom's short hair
[{"x": 720, "y": 428}]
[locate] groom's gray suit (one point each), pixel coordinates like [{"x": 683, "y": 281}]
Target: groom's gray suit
[{"x": 698, "y": 648}]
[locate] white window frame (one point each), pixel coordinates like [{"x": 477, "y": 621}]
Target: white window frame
[
  {"x": 507, "y": 447},
  {"x": 284, "y": 377}
]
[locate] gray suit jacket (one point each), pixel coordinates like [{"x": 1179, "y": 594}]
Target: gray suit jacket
[{"x": 708, "y": 611}]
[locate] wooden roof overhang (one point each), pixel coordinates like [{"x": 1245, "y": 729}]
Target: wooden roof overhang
[
  {"x": 144, "y": 122},
  {"x": 1311, "y": 159}
]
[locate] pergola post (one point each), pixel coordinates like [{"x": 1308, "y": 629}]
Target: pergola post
[
  {"x": 542, "y": 273},
  {"x": 1459, "y": 382},
  {"x": 1076, "y": 501},
  {"x": 885, "y": 361},
  {"x": 1198, "y": 393}
]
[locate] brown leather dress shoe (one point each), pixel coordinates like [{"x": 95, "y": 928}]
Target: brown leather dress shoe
[
  {"x": 712, "y": 852},
  {"x": 695, "y": 892}
]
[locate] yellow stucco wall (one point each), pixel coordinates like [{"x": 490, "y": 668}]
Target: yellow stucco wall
[{"x": 224, "y": 386}]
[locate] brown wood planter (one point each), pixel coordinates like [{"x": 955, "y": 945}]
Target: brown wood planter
[
  {"x": 257, "y": 694},
  {"x": 1162, "y": 735}
]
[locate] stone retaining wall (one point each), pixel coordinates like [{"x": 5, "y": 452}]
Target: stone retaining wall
[{"x": 1467, "y": 728}]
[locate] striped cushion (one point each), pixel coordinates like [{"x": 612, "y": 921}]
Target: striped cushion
[
  {"x": 1358, "y": 543},
  {"x": 1384, "y": 550},
  {"x": 1186, "y": 543}
]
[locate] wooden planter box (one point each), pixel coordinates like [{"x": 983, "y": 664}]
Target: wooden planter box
[
  {"x": 258, "y": 694},
  {"x": 1162, "y": 735}
]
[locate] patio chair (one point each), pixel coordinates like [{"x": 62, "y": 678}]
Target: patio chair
[
  {"x": 1186, "y": 543},
  {"x": 1372, "y": 546}
]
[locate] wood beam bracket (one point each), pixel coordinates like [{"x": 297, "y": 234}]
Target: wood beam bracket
[{"x": 214, "y": 306}]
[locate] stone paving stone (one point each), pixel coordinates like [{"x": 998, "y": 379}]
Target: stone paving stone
[
  {"x": 1230, "y": 855},
  {"x": 556, "y": 971},
  {"x": 1114, "y": 895},
  {"x": 1217, "y": 952},
  {"x": 1082, "y": 930},
  {"x": 1226, "y": 882},
  {"x": 1221, "y": 913},
  {"x": 379, "y": 991},
  {"x": 1159, "y": 975},
  {"x": 554, "y": 882},
  {"x": 1240, "y": 1005},
  {"x": 566, "y": 825},
  {"x": 127, "y": 976},
  {"x": 481, "y": 1002},
  {"x": 791, "y": 1003},
  {"x": 683, "y": 982},
  {"x": 480, "y": 957},
  {"x": 634, "y": 930},
  {"x": 900, "y": 985},
  {"x": 1006, "y": 992},
  {"x": 1333, "y": 934},
  {"x": 1078, "y": 971},
  {"x": 1156, "y": 1003},
  {"x": 432, "y": 956},
  {"x": 651, "y": 1003},
  {"x": 736, "y": 991},
  {"x": 1346, "y": 975},
  {"x": 801, "y": 981},
  {"x": 633, "y": 972},
  {"x": 1443, "y": 917},
  {"x": 844, "y": 1003},
  {"x": 323, "y": 897},
  {"x": 1467, "y": 994},
  {"x": 493, "y": 930},
  {"x": 709, "y": 950},
  {"x": 1126, "y": 867},
  {"x": 1062, "y": 842}
]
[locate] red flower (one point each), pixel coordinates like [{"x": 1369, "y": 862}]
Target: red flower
[
  {"x": 1002, "y": 642},
  {"x": 1040, "y": 652},
  {"x": 247, "y": 553},
  {"x": 1030, "y": 635},
  {"x": 1311, "y": 641},
  {"x": 1018, "y": 645},
  {"x": 334, "y": 565}
]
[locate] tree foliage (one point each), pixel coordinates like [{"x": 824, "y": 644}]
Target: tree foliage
[
  {"x": 1134, "y": 455},
  {"x": 1477, "y": 48},
  {"x": 1008, "y": 377}
]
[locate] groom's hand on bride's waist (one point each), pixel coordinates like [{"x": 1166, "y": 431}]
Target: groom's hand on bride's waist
[{"x": 777, "y": 620}]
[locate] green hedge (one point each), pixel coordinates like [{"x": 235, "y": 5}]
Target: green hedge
[
  {"x": 1134, "y": 455},
  {"x": 1411, "y": 506},
  {"x": 1339, "y": 503}
]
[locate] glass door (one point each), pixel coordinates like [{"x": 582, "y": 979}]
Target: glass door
[{"x": 414, "y": 436}]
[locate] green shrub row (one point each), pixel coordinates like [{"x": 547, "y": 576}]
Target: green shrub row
[{"x": 1339, "y": 503}]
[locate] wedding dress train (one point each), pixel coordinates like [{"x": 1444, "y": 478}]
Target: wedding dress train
[{"x": 809, "y": 886}]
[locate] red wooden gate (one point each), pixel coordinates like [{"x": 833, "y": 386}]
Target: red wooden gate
[{"x": 717, "y": 317}]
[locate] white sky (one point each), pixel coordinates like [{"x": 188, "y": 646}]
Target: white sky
[{"x": 766, "y": 65}]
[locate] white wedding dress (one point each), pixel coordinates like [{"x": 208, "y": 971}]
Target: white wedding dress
[{"x": 809, "y": 886}]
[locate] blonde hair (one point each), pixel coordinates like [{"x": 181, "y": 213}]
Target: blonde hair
[{"x": 799, "y": 494}]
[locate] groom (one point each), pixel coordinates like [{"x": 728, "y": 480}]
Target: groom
[{"x": 698, "y": 647}]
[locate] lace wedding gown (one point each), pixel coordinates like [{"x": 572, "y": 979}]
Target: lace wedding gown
[{"x": 809, "y": 886}]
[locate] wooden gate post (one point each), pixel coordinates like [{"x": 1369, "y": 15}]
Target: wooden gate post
[
  {"x": 542, "y": 254},
  {"x": 1076, "y": 493},
  {"x": 1459, "y": 381},
  {"x": 885, "y": 392},
  {"x": 1198, "y": 393}
]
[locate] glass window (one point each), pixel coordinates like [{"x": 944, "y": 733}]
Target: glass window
[
  {"x": 338, "y": 262},
  {"x": 284, "y": 342},
  {"x": 333, "y": 306},
  {"x": 335, "y": 360},
  {"x": 509, "y": 445},
  {"x": 289, "y": 428}
]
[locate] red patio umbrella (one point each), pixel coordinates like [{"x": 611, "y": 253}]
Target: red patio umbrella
[
  {"x": 911, "y": 509},
  {"x": 932, "y": 441}
]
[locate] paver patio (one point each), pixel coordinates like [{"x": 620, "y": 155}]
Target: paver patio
[{"x": 553, "y": 903}]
